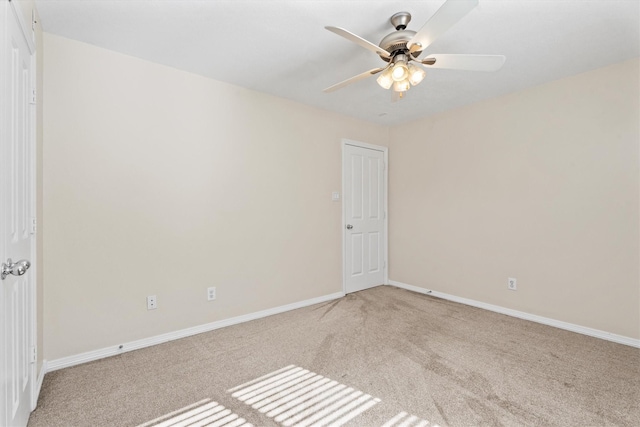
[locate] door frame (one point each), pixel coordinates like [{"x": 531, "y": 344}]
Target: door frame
[{"x": 385, "y": 234}]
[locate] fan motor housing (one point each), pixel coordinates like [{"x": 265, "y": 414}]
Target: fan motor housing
[{"x": 396, "y": 42}]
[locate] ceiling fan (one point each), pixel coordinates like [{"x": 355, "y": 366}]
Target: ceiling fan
[{"x": 401, "y": 48}]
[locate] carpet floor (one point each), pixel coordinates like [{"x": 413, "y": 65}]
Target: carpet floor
[{"x": 380, "y": 357}]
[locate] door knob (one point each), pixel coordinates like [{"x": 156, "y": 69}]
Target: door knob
[
  {"x": 15, "y": 268},
  {"x": 349, "y": 226}
]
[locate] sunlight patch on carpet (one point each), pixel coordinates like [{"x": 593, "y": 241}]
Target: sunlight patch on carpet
[
  {"x": 204, "y": 413},
  {"x": 293, "y": 396},
  {"x": 405, "y": 420}
]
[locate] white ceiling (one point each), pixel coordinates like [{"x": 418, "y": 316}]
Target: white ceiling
[{"x": 281, "y": 47}]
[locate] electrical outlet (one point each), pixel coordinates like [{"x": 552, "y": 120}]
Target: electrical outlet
[
  {"x": 152, "y": 302},
  {"x": 511, "y": 284},
  {"x": 211, "y": 293}
]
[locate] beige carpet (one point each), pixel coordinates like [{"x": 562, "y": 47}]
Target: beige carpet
[{"x": 384, "y": 356}]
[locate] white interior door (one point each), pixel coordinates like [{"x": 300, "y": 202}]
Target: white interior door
[
  {"x": 16, "y": 211},
  {"x": 364, "y": 191}
]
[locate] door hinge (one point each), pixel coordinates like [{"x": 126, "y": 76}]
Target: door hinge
[
  {"x": 384, "y": 264},
  {"x": 33, "y": 96},
  {"x": 34, "y": 354},
  {"x": 384, "y": 215},
  {"x": 34, "y": 225}
]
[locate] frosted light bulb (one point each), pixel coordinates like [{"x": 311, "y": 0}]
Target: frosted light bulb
[
  {"x": 401, "y": 86},
  {"x": 416, "y": 74},
  {"x": 384, "y": 79},
  {"x": 399, "y": 72}
]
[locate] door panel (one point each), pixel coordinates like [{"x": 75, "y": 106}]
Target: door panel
[
  {"x": 356, "y": 189},
  {"x": 357, "y": 254},
  {"x": 16, "y": 197},
  {"x": 364, "y": 200},
  {"x": 374, "y": 186},
  {"x": 374, "y": 252}
]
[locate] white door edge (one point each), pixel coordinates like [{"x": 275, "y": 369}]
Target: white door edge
[
  {"x": 33, "y": 345},
  {"x": 385, "y": 152}
]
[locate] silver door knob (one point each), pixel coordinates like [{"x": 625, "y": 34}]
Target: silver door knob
[
  {"x": 15, "y": 268},
  {"x": 349, "y": 226}
]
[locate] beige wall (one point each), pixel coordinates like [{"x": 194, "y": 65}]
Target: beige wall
[
  {"x": 162, "y": 182},
  {"x": 540, "y": 185},
  {"x": 157, "y": 181}
]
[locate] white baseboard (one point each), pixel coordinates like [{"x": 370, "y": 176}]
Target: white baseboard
[
  {"x": 522, "y": 315},
  {"x": 89, "y": 356}
]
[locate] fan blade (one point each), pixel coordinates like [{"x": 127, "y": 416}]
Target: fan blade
[
  {"x": 449, "y": 13},
  {"x": 353, "y": 80},
  {"x": 359, "y": 40},
  {"x": 464, "y": 62}
]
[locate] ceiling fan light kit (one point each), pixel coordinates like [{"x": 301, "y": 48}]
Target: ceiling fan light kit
[
  {"x": 402, "y": 47},
  {"x": 401, "y": 76}
]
